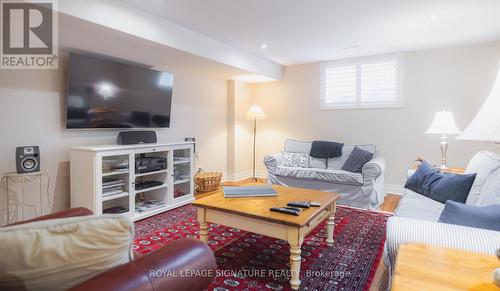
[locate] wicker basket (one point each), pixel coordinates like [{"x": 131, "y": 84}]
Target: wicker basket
[{"x": 207, "y": 181}]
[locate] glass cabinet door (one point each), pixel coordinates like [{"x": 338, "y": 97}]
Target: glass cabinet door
[
  {"x": 114, "y": 184},
  {"x": 182, "y": 173}
]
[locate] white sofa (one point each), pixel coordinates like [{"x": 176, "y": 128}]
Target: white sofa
[
  {"x": 416, "y": 216},
  {"x": 365, "y": 190}
]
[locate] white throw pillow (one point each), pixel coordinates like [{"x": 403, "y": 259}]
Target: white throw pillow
[
  {"x": 483, "y": 163},
  {"x": 295, "y": 160},
  {"x": 490, "y": 194},
  {"x": 297, "y": 146},
  {"x": 58, "y": 254}
]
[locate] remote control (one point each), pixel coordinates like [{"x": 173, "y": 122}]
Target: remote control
[
  {"x": 299, "y": 204},
  {"x": 285, "y": 210},
  {"x": 294, "y": 208},
  {"x": 314, "y": 204}
]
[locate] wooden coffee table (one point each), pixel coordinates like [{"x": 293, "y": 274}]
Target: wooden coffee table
[{"x": 253, "y": 214}]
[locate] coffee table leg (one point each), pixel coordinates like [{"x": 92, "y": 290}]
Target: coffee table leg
[
  {"x": 330, "y": 226},
  {"x": 295, "y": 260},
  {"x": 295, "y": 241},
  {"x": 204, "y": 232},
  {"x": 203, "y": 225}
]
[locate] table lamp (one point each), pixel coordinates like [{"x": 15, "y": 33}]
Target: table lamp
[
  {"x": 255, "y": 112},
  {"x": 443, "y": 124},
  {"x": 485, "y": 127}
]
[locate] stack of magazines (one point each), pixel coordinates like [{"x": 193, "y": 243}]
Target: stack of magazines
[
  {"x": 249, "y": 191},
  {"x": 112, "y": 186},
  {"x": 142, "y": 206}
]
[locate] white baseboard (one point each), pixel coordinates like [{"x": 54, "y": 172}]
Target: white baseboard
[
  {"x": 394, "y": 189},
  {"x": 243, "y": 175}
]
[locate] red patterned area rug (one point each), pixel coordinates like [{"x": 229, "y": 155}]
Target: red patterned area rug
[{"x": 249, "y": 261}]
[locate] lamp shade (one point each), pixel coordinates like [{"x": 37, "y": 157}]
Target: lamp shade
[
  {"x": 255, "y": 112},
  {"x": 486, "y": 124},
  {"x": 443, "y": 123}
]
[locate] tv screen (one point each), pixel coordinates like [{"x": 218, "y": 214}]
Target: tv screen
[{"x": 108, "y": 94}]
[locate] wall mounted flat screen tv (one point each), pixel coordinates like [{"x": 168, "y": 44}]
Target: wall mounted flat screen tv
[{"x": 108, "y": 94}]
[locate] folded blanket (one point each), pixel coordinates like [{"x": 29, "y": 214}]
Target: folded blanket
[{"x": 326, "y": 149}]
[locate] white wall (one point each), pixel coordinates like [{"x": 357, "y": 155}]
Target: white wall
[
  {"x": 31, "y": 113},
  {"x": 456, "y": 79}
]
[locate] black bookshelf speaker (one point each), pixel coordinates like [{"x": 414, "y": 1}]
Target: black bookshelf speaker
[
  {"x": 27, "y": 159},
  {"x": 136, "y": 137}
]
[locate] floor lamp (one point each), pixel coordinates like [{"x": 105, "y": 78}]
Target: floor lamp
[{"x": 255, "y": 112}]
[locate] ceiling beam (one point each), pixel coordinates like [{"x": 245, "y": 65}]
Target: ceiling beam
[{"x": 120, "y": 16}]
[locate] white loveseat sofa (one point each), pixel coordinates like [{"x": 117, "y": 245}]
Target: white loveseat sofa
[
  {"x": 365, "y": 190},
  {"x": 415, "y": 219}
]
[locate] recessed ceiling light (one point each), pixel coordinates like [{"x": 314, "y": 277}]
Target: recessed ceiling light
[
  {"x": 349, "y": 47},
  {"x": 263, "y": 46}
]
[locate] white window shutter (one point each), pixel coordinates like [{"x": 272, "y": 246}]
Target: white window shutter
[
  {"x": 340, "y": 85},
  {"x": 374, "y": 82},
  {"x": 378, "y": 82}
]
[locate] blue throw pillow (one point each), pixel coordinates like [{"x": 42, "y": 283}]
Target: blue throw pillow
[
  {"x": 357, "y": 159},
  {"x": 438, "y": 186},
  {"x": 487, "y": 217}
]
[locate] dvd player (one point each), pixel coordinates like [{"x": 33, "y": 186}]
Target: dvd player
[
  {"x": 147, "y": 184},
  {"x": 150, "y": 164}
]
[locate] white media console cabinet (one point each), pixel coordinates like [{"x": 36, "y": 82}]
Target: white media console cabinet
[{"x": 104, "y": 178}]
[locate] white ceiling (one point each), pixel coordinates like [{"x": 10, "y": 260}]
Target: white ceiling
[
  {"x": 302, "y": 31},
  {"x": 129, "y": 32},
  {"x": 77, "y": 35}
]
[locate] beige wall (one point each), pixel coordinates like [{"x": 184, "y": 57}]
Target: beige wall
[
  {"x": 31, "y": 113},
  {"x": 212, "y": 110},
  {"x": 456, "y": 79}
]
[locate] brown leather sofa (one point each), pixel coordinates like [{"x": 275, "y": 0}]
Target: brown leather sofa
[{"x": 184, "y": 256}]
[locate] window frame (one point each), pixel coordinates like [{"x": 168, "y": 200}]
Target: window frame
[{"x": 399, "y": 103}]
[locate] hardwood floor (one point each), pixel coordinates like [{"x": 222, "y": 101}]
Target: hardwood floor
[
  {"x": 390, "y": 204},
  {"x": 391, "y": 201}
]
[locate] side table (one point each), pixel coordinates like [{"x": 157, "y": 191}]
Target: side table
[
  {"x": 428, "y": 267},
  {"x": 36, "y": 181}
]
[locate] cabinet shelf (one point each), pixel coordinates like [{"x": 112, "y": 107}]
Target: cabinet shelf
[
  {"x": 148, "y": 213},
  {"x": 107, "y": 174},
  {"x": 181, "y": 162},
  {"x": 115, "y": 196},
  {"x": 151, "y": 173},
  {"x": 151, "y": 189},
  {"x": 181, "y": 181}
]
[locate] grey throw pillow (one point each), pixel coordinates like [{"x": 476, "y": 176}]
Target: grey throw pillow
[
  {"x": 357, "y": 159},
  {"x": 295, "y": 160},
  {"x": 487, "y": 217}
]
